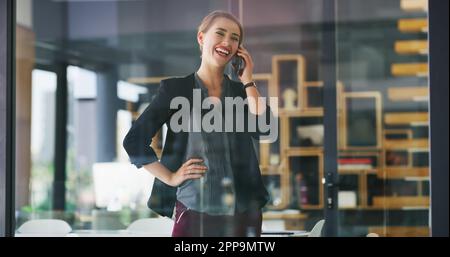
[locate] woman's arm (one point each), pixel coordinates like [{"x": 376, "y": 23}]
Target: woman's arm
[
  {"x": 256, "y": 105},
  {"x": 138, "y": 140}
]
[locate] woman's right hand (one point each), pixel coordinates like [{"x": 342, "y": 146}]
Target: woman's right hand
[{"x": 189, "y": 170}]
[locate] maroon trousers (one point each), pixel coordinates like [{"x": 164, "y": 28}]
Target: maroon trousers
[{"x": 189, "y": 223}]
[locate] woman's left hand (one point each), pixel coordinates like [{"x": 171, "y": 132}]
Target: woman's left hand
[{"x": 247, "y": 75}]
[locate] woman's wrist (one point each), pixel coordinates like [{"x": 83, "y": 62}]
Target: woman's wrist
[
  {"x": 249, "y": 84},
  {"x": 170, "y": 180}
]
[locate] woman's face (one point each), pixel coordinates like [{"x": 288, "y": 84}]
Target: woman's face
[{"x": 220, "y": 42}]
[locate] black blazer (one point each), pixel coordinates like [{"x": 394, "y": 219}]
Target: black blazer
[{"x": 249, "y": 188}]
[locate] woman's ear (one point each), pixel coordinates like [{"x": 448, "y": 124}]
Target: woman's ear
[{"x": 200, "y": 39}]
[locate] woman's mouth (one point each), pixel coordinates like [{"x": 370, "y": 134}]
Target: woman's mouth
[{"x": 222, "y": 51}]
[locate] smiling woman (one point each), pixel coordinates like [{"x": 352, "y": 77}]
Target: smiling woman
[
  {"x": 217, "y": 16},
  {"x": 213, "y": 191}
]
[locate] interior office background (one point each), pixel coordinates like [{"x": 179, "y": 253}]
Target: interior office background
[{"x": 85, "y": 70}]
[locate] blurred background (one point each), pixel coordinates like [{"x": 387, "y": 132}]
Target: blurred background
[{"x": 87, "y": 69}]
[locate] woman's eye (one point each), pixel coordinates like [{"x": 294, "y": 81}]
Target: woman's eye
[
  {"x": 220, "y": 33},
  {"x": 235, "y": 39}
]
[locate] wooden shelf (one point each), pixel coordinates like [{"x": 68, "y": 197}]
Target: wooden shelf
[
  {"x": 406, "y": 133},
  {"x": 280, "y": 215},
  {"x": 312, "y": 207},
  {"x": 406, "y": 118},
  {"x": 404, "y": 172},
  {"x": 357, "y": 171},
  {"x": 401, "y": 94},
  {"x": 358, "y": 152},
  {"x": 406, "y": 144},
  {"x": 380, "y": 208},
  {"x": 301, "y": 113},
  {"x": 270, "y": 170},
  {"x": 401, "y": 201},
  {"x": 262, "y": 76},
  {"x": 292, "y": 221},
  {"x": 304, "y": 151},
  {"x": 401, "y": 231},
  {"x": 414, "y": 5},
  {"x": 366, "y": 106},
  {"x": 279, "y": 85},
  {"x": 147, "y": 80},
  {"x": 313, "y": 84},
  {"x": 411, "y": 47},
  {"x": 318, "y": 154},
  {"x": 289, "y": 156},
  {"x": 307, "y": 89},
  {"x": 359, "y": 208},
  {"x": 419, "y": 69},
  {"x": 413, "y": 25}
]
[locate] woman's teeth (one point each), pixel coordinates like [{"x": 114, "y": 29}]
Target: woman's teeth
[{"x": 222, "y": 52}]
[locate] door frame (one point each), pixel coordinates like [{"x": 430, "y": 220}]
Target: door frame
[
  {"x": 7, "y": 117},
  {"x": 438, "y": 108},
  {"x": 328, "y": 64}
]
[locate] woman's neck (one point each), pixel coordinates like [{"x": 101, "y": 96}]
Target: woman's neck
[{"x": 211, "y": 76}]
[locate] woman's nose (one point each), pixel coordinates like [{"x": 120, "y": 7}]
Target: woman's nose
[{"x": 226, "y": 42}]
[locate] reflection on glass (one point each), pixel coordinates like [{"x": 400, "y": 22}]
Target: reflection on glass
[
  {"x": 42, "y": 138},
  {"x": 382, "y": 64},
  {"x": 113, "y": 64}
]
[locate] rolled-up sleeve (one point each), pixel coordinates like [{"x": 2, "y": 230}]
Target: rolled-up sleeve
[{"x": 139, "y": 138}]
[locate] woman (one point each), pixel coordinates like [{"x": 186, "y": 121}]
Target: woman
[{"x": 212, "y": 179}]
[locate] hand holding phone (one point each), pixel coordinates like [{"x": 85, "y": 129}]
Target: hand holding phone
[{"x": 238, "y": 65}]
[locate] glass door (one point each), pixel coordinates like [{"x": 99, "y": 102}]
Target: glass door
[
  {"x": 382, "y": 117},
  {"x": 292, "y": 62}
]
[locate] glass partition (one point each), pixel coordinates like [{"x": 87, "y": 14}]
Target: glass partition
[
  {"x": 382, "y": 62},
  {"x": 87, "y": 70}
]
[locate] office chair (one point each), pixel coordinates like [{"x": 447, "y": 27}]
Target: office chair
[
  {"x": 160, "y": 227},
  {"x": 317, "y": 229},
  {"x": 44, "y": 228}
]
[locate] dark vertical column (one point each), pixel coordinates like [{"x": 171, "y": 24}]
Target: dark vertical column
[
  {"x": 7, "y": 96},
  {"x": 438, "y": 61},
  {"x": 328, "y": 64},
  {"x": 107, "y": 107},
  {"x": 59, "y": 179}
]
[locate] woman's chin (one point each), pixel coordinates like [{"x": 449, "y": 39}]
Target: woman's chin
[
  {"x": 221, "y": 60},
  {"x": 219, "y": 63}
]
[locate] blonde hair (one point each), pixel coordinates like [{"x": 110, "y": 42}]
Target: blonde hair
[{"x": 209, "y": 20}]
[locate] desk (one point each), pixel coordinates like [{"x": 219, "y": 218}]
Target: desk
[
  {"x": 113, "y": 233},
  {"x": 285, "y": 233},
  {"x": 292, "y": 221},
  {"x": 125, "y": 233}
]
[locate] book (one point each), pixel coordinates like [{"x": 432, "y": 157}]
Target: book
[{"x": 355, "y": 161}]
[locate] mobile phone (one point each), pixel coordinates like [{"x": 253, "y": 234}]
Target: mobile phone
[{"x": 238, "y": 65}]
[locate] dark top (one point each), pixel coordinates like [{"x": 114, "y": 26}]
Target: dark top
[
  {"x": 214, "y": 193},
  {"x": 250, "y": 192}
]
